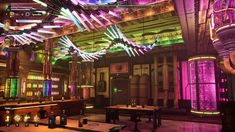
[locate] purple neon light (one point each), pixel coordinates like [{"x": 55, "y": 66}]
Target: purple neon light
[
  {"x": 114, "y": 14},
  {"x": 223, "y": 13},
  {"x": 49, "y": 87},
  {"x": 185, "y": 81},
  {"x": 205, "y": 83}
]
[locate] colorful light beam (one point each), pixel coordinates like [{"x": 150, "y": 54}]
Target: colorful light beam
[
  {"x": 117, "y": 38},
  {"x": 65, "y": 41}
]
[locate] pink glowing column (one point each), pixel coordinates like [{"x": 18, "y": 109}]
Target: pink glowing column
[{"x": 202, "y": 84}]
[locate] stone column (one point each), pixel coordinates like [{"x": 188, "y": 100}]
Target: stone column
[{"x": 47, "y": 68}]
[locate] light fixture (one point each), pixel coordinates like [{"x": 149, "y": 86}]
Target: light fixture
[
  {"x": 40, "y": 2},
  {"x": 45, "y": 31},
  {"x": 65, "y": 41},
  {"x": 222, "y": 30},
  {"x": 28, "y": 21},
  {"x": 51, "y": 26},
  {"x": 117, "y": 38}
]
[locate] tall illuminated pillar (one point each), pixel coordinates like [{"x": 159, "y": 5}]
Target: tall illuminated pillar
[
  {"x": 47, "y": 68},
  {"x": 12, "y": 85},
  {"x": 203, "y": 85}
]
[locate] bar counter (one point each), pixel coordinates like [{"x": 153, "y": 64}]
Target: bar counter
[{"x": 43, "y": 109}]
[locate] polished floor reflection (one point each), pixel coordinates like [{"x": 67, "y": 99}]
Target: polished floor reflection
[{"x": 143, "y": 126}]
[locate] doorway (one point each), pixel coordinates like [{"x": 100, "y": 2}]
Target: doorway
[{"x": 119, "y": 90}]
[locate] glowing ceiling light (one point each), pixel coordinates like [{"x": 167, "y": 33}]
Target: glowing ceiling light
[
  {"x": 18, "y": 40},
  {"x": 32, "y": 37},
  {"x": 117, "y": 38},
  {"x": 97, "y": 20},
  {"x": 67, "y": 13},
  {"x": 38, "y": 35},
  {"x": 114, "y": 14},
  {"x": 85, "y": 55},
  {"x": 28, "y": 21},
  {"x": 102, "y": 16},
  {"x": 87, "y": 20},
  {"x": 79, "y": 18},
  {"x": 45, "y": 31},
  {"x": 40, "y": 2},
  {"x": 76, "y": 2},
  {"x": 1, "y": 25},
  {"x": 51, "y": 26}
]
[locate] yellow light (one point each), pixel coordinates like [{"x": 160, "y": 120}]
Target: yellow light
[
  {"x": 202, "y": 57},
  {"x": 224, "y": 27},
  {"x": 7, "y": 119},
  {"x": 26, "y": 118},
  {"x": 36, "y": 118},
  {"x": 17, "y": 118},
  {"x": 205, "y": 113}
]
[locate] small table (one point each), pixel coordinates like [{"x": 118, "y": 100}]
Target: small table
[
  {"x": 91, "y": 126},
  {"x": 112, "y": 112}
]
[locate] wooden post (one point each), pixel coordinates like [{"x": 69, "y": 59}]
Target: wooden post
[
  {"x": 155, "y": 88},
  {"x": 165, "y": 81},
  {"x": 12, "y": 85},
  {"x": 73, "y": 76},
  {"x": 175, "y": 81},
  {"x": 47, "y": 67}
]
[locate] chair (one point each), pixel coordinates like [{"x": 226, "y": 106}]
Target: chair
[{"x": 135, "y": 117}]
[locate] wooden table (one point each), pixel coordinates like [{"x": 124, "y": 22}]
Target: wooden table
[
  {"x": 71, "y": 107},
  {"x": 112, "y": 113},
  {"x": 91, "y": 126}
]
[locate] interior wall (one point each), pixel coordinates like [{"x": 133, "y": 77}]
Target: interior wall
[{"x": 105, "y": 70}]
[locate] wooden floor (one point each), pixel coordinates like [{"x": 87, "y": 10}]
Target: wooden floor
[{"x": 144, "y": 126}]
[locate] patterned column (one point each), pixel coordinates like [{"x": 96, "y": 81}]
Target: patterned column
[{"x": 47, "y": 68}]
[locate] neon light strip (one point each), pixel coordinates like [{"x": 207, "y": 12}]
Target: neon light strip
[
  {"x": 206, "y": 113},
  {"x": 45, "y": 31},
  {"x": 28, "y": 21},
  {"x": 202, "y": 57},
  {"x": 37, "y": 39},
  {"x": 86, "y": 56},
  {"x": 98, "y": 21},
  {"x": 102, "y": 16},
  {"x": 51, "y": 26},
  {"x": 67, "y": 13},
  {"x": 79, "y": 18},
  {"x": 74, "y": 2},
  {"x": 27, "y": 107},
  {"x": 22, "y": 39},
  {"x": 87, "y": 20},
  {"x": 38, "y": 35},
  {"x": 24, "y": 27},
  {"x": 27, "y": 39},
  {"x": 16, "y": 38},
  {"x": 114, "y": 14},
  {"x": 40, "y": 2}
]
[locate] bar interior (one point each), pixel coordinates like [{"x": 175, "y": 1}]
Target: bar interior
[{"x": 117, "y": 65}]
